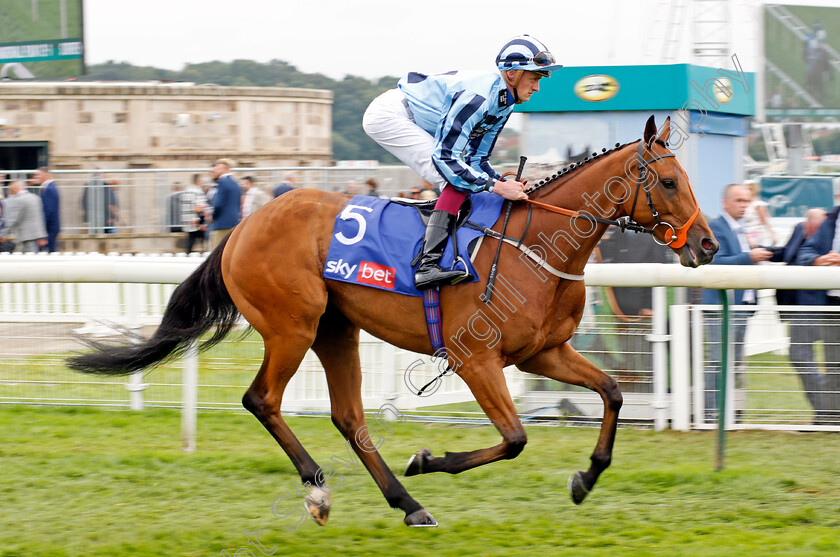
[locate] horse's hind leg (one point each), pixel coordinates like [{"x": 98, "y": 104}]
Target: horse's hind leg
[
  {"x": 487, "y": 384},
  {"x": 563, "y": 363},
  {"x": 337, "y": 346},
  {"x": 263, "y": 399}
]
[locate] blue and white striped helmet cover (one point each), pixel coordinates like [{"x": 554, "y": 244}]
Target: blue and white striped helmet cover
[{"x": 518, "y": 51}]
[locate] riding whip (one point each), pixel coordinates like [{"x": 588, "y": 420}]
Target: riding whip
[{"x": 491, "y": 277}]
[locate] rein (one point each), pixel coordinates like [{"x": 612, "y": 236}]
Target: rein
[{"x": 678, "y": 235}]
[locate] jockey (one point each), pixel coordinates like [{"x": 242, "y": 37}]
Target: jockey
[{"x": 444, "y": 128}]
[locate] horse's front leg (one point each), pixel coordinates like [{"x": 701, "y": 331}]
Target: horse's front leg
[
  {"x": 563, "y": 363},
  {"x": 487, "y": 384}
]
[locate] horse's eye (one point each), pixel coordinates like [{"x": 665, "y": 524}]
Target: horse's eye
[{"x": 669, "y": 184}]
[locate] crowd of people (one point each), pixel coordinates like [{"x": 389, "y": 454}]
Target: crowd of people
[
  {"x": 746, "y": 238},
  {"x": 207, "y": 210},
  {"x": 29, "y": 221},
  {"x": 204, "y": 210}
]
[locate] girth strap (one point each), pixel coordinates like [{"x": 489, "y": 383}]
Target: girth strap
[{"x": 431, "y": 305}]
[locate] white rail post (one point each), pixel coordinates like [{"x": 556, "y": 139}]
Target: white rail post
[
  {"x": 135, "y": 385},
  {"x": 659, "y": 339},
  {"x": 189, "y": 386},
  {"x": 389, "y": 368},
  {"x": 135, "y": 388},
  {"x": 680, "y": 369},
  {"x": 729, "y": 410},
  {"x": 698, "y": 360}
]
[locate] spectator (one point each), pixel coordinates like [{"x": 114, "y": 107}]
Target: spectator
[
  {"x": 352, "y": 188},
  {"x": 113, "y": 208},
  {"x": 429, "y": 191},
  {"x": 371, "y": 185},
  {"x": 415, "y": 193},
  {"x": 226, "y": 201},
  {"x": 734, "y": 250},
  {"x": 287, "y": 185},
  {"x": 757, "y": 225},
  {"x": 6, "y": 245},
  {"x": 193, "y": 204},
  {"x": 823, "y": 249},
  {"x": 803, "y": 333},
  {"x": 100, "y": 209},
  {"x": 252, "y": 196},
  {"x": 24, "y": 219},
  {"x": 209, "y": 189},
  {"x": 50, "y": 201}
]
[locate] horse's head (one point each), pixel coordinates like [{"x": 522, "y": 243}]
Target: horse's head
[{"x": 662, "y": 199}]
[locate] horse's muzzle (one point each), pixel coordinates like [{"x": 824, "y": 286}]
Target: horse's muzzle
[{"x": 694, "y": 253}]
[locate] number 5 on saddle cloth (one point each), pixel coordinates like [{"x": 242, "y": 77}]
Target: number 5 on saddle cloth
[{"x": 375, "y": 240}]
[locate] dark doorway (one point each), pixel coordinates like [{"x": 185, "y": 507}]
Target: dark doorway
[{"x": 23, "y": 155}]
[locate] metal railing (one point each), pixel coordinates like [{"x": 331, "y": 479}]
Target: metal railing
[
  {"x": 141, "y": 201},
  {"x": 663, "y": 373}
]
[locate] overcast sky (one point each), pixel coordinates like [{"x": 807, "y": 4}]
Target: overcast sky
[
  {"x": 370, "y": 38},
  {"x": 374, "y": 38}
]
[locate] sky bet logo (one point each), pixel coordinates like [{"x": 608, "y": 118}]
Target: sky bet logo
[
  {"x": 341, "y": 268},
  {"x": 376, "y": 275}
]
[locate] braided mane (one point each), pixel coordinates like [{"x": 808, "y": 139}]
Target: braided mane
[{"x": 576, "y": 166}]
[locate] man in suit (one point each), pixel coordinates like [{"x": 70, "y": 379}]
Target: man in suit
[
  {"x": 286, "y": 186},
  {"x": 226, "y": 201},
  {"x": 24, "y": 216},
  {"x": 49, "y": 198},
  {"x": 823, "y": 249},
  {"x": 734, "y": 250},
  {"x": 803, "y": 333}
]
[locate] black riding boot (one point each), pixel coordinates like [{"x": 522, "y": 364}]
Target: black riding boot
[{"x": 429, "y": 273}]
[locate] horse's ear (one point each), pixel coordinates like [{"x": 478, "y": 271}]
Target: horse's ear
[
  {"x": 650, "y": 131},
  {"x": 665, "y": 131}
]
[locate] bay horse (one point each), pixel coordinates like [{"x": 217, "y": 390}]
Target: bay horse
[{"x": 270, "y": 269}]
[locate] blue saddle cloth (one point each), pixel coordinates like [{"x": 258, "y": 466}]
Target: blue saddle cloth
[{"x": 374, "y": 241}]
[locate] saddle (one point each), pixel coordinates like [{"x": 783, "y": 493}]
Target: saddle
[{"x": 425, "y": 207}]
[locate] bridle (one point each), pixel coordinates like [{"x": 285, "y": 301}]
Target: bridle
[{"x": 678, "y": 236}]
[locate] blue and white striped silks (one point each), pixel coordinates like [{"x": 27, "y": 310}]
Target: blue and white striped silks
[{"x": 464, "y": 112}]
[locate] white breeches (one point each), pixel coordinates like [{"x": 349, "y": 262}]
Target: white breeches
[{"x": 388, "y": 122}]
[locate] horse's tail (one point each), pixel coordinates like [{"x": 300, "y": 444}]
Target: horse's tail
[{"x": 196, "y": 306}]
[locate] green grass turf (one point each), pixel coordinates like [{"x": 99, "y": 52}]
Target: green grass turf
[{"x": 108, "y": 483}]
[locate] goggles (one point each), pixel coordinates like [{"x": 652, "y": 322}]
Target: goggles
[{"x": 544, "y": 58}]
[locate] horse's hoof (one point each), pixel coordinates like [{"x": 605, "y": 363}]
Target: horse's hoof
[
  {"x": 416, "y": 462},
  {"x": 577, "y": 488},
  {"x": 419, "y": 519},
  {"x": 318, "y": 505}
]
